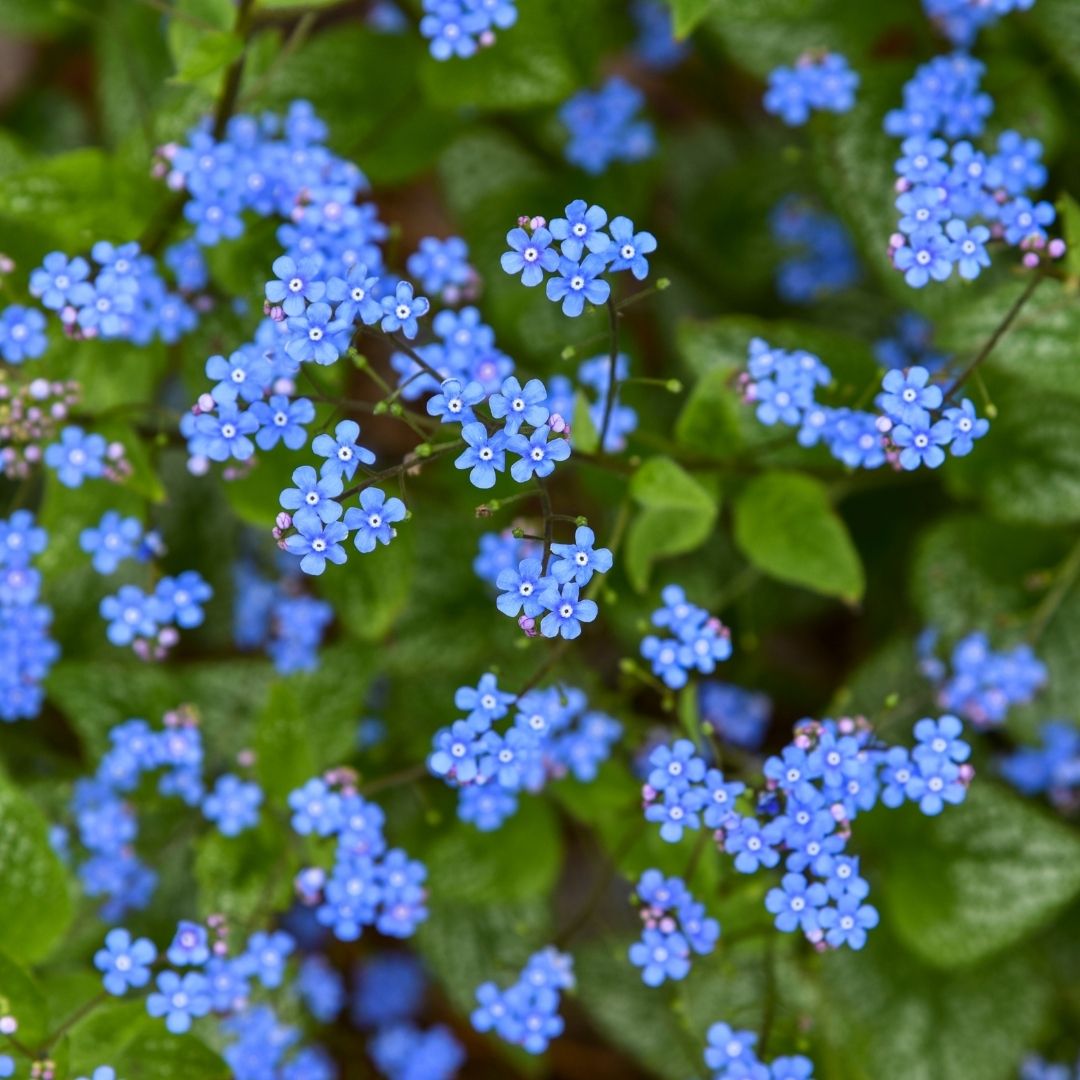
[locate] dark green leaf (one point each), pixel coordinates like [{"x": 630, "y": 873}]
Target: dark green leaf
[
  {"x": 372, "y": 589},
  {"x": 284, "y": 758},
  {"x": 20, "y": 997}
]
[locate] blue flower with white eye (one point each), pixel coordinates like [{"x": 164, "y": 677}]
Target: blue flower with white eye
[
  {"x": 921, "y": 443},
  {"x": 922, "y": 161},
  {"x": 581, "y": 229},
  {"x": 113, "y": 540},
  {"x": 353, "y": 296},
  {"x": 519, "y": 404},
  {"x": 486, "y": 703},
  {"x": 450, "y": 29},
  {"x": 22, "y": 334},
  {"x": 373, "y": 521},
  {"x": 665, "y": 655},
  {"x": 925, "y": 256},
  {"x": 753, "y": 844},
  {"x": 439, "y": 263},
  {"x": 628, "y": 249},
  {"x": 1024, "y": 220},
  {"x": 922, "y": 207},
  {"x": 189, "y": 946},
  {"x": 124, "y": 961},
  {"x": 968, "y": 248},
  {"x": 661, "y": 956},
  {"x": 940, "y": 739},
  {"x": 676, "y": 766},
  {"x": 453, "y": 403},
  {"x": 233, "y": 805},
  {"x": 297, "y": 284},
  {"x": 537, "y": 455},
  {"x": 282, "y": 420},
  {"x": 180, "y": 598},
  {"x": 484, "y": 456},
  {"x": 341, "y": 450},
  {"x": 456, "y": 753},
  {"x": 966, "y": 427},
  {"x": 316, "y": 335},
  {"x": 529, "y": 255},
  {"x": 678, "y": 811},
  {"x": 224, "y": 434},
  {"x": 316, "y": 543},
  {"x": 265, "y": 955},
  {"x": 77, "y": 456},
  {"x": 720, "y": 796},
  {"x": 53, "y": 281},
  {"x": 130, "y": 614},
  {"x": 578, "y": 282},
  {"x": 179, "y": 999},
  {"x": 566, "y": 611},
  {"x": 401, "y": 310},
  {"x": 908, "y": 395},
  {"x": 581, "y": 559},
  {"x": 847, "y": 922},
  {"x": 246, "y": 375},
  {"x": 520, "y": 589},
  {"x": 313, "y": 498},
  {"x": 796, "y": 903}
]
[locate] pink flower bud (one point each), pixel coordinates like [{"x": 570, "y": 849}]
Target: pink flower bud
[
  {"x": 283, "y": 520},
  {"x": 1030, "y": 260},
  {"x": 1056, "y": 248},
  {"x": 204, "y": 404},
  {"x": 557, "y": 423},
  {"x": 528, "y": 626}
]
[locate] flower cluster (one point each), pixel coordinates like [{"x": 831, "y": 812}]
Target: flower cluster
[
  {"x": 121, "y": 296},
  {"x": 737, "y": 716},
  {"x": 584, "y": 254},
  {"x": 369, "y": 884},
  {"x": 979, "y": 683},
  {"x": 961, "y": 20},
  {"x": 27, "y": 652},
  {"x": 151, "y": 622},
  {"x": 674, "y": 926},
  {"x": 656, "y": 46},
  {"x": 460, "y": 27},
  {"x": 280, "y": 618},
  {"x": 442, "y": 267},
  {"x": 81, "y": 455},
  {"x": 825, "y": 263},
  {"x": 822, "y": 81},
  {"x": 526, "y": 1014},
  {"x": 116, "y": 539},
  {"x": 953, "y": 198},
  {"x": 553, "y": 733},
  {"x": 105, "y": 819},
  {"x": 696, "y": 641},
  {"x": 912, "y": 428},
  {"x": 830, "y": 773},
  {"x": 910, "y": 345},
  {"x": 1051, "y": 769},
  {"x": 602, "y": 127},
  {"x": 312, "y": 508},
  {"x": 529, "y": 592},
  {"x": 731, "y": 1056},
  {"x": 30, "y": 413}
]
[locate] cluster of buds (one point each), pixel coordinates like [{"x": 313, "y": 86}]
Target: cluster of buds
[
  {"x": 1036, "y": 250},
  {"x": 219, "y": 928},
  {"x": 30, "y": 414}
]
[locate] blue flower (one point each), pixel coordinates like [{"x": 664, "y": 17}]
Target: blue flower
[
  {"x": 316, "y": 335},
  {"x": 581, "y": 228},
  {"x": 316, "y": 543},
  {"x": 925, "y": 256},
  {"x": 537, "y": 455},
  {"x": 628, "y": 249},
  {"x": 130, "y": 614},
  {"x": 676, "y": 766},
  {"x": 566, "y": 612},
  {"x": 313, "y": 498},
  {"x": 450, "y": 28},
  {"x": 113, "y": 540},
  {"x": 936, "y": 783},
  {"x": 665, "y": 654},
  {"x": 225, "y": 434},
  {"x": 22, "y": 334},
  {"x": 77, "y": 456},
  {"x": 752, "y": 844},
  {"x": 968, "y": 248},
  {"x": 456, "y": 753},
  {"x": 54, "y": 280},
  {"x": 189, "y": 946},
  {"x": 966, "y": 427},
  {"x": 580, "y": 560},
  {"x": 297, "y": 284},
  {"x": 661, "y": 956},
  {"x": 731, "y": 1050},
  {"x": 484, "y": 456},
  {"x": 316, "y": 809},
  {"x": 453, "y": 404},
  {"x": 577, "y": 283},
  {"x": 180, "y": 598},
  {"x": 520, "y": 405},
  {"x": 179, "y": 999},
  {"x": 922, "y": 207},
  {"x": 921, "y": 443},
  {"x": 940, "y": 739},
  {"x": 498, "y": 13},
  {"x": 245, "y": 375},
  {"x": 795, "y": 904},
  {"x": 1024, "y": 220},
  {"x": 373, "y": 519},
  {"x": 529, "y": 255},
  {"x": 265, "y": 955},
  {"x": 720, "y": 796},
  {"x": 401, "y": 310},
  {"x": 521, "y": 589},
  {"x": 124, "y": 961},
  {"x": 281, "y": 419},
  {"x": 233, "y": 805},
  {"x": 795, "y": 1067},
  {"x": 439, "y": 263},
  {"x": 677, "y": 811},
  {"x": 907, "y": 396},
  {"x": 486, "y": 703},
  {"x": 353, "y": 296},
  {"x": 847, "y": 922},
  {"x": 341, "y": 450}
]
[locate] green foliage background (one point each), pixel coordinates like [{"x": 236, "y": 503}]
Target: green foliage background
[{"x": 824, "y": 576}]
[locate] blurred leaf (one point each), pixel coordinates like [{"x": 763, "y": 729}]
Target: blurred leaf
[
  {"x": 688, "y": 13},
  {"x": 208, "y": 54},
  {"x": 284, "y": 759},
  {"x": 1069, "y": 211},
  {"x": 34, "y": 18},
  {"x": 710, "y": 419},
  {"x": 245, "y": 877},
  {"x": 157, "y": 1054},
  {"x": 1056, "y": 23},
  {"x": 586, "y": 437},
  {"x": 677, "y": 516},
  {"x": 35, "y": 905},
  {"x": 20, "y": 997},
  {"x": 371, "y": 590},
  {"x": 785, "y": 526},
  {"x": 887, "y": 1017},
  {"x": 979, "y": 878}
]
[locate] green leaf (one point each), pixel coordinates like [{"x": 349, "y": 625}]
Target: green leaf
[
  {"x": 371, "y": 590},
  {"x": 20, "y": 997},
  {"x": 677, "y": 516},
  {"x": 528, "y": 66},
  {"x": 888, "y": 1017},
  {"x": 1069, "y": 211},
  {"x": 786, "y": 527},
  {"x": 1056, "y": 23},
  {"x": 284, "y": 759},
  {"x": 981, "y": 877},
  {"x": 35, "y": 904},
  {"x": 687, "y": 14},
  {"x": 586, "y": 437},
  {"x": 157, "y": 1054},
  {"x": 710, "y": 419},
  {"x": 208, "y": 54}
]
